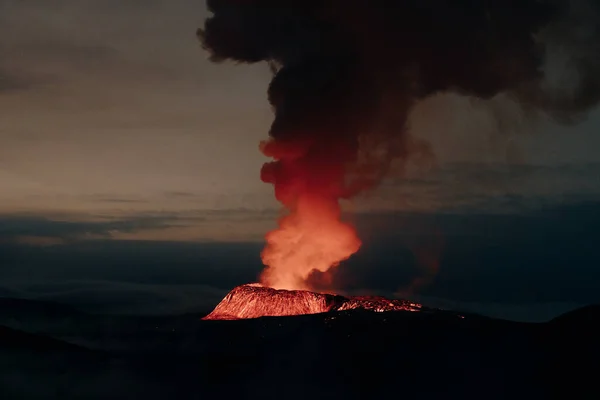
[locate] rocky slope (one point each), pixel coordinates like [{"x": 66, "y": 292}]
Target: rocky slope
[{"x": 254, "y": 301}]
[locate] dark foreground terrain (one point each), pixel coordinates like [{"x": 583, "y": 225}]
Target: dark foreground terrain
[{"x": 49, "y": 351}]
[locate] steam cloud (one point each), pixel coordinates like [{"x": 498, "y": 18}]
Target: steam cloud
[{"x": 347, "y": 72}]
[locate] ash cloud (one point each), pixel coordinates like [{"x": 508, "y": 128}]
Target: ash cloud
[{"x": 348, "y": 72}]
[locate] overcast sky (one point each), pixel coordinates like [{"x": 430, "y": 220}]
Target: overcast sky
[{"x": 111, "y": 107}]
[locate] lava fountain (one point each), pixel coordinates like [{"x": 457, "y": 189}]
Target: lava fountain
[{"x": 312, "y": 237}]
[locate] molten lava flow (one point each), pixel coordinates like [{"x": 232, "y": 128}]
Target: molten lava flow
[
  {"x": 312, "y": 236},
  {"x": 254, "y": 301}
]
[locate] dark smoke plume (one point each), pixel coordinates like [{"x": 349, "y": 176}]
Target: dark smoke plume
[{"x": 346, "y": 72}]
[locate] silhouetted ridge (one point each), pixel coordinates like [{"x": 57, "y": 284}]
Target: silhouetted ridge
[
  {"x": 11, "y": 339},
  {"x": 12, "y": 306},
  {"x": 587, "y": 316}
]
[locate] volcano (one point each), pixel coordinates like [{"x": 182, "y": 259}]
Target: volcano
[{"x": 255, "y": 301}]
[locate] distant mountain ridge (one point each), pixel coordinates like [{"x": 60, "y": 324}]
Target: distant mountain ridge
[{"x": 14, "y": 306}]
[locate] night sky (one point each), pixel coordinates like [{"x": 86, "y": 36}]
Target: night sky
[{"x": 129, "y": 178}]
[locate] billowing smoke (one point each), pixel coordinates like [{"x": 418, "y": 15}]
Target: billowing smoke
[{"x": 347, "y": 72}]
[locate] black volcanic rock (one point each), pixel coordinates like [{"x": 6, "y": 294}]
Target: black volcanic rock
[
  {"x": 569, "y": 339},
  {"x": 351, "y": 354}
]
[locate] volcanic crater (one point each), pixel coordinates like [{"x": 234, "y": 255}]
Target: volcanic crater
[{"x": 255, "y": 301}]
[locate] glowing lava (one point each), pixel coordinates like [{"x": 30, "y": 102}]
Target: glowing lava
[
  {"x": 254, "y": 301},
  {"x": 312, "y": 236}
]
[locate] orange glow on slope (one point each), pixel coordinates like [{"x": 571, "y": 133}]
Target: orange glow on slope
[
  {"x": 312, "y": 235},
  {"x": 255, "y": 301}
]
